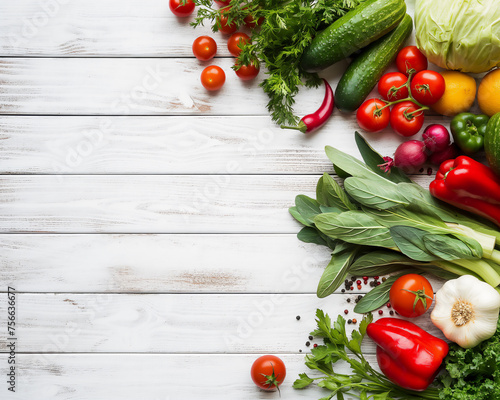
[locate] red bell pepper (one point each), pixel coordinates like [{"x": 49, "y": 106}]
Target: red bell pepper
[
  {"x": 468, "y": 185},
  {"x": 407, "y": 355}
]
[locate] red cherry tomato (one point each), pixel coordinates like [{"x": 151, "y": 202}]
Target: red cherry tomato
[
  {"x": 371, "y": 115},
  {"x": 235, "y": 41},
  {"x": 388, "y": 84},
  {"x": 247, "y": 72},
  {"x": 213, "y": 77},
  {"x": 411, "y": 295},
  {"x": 411, "y": 58},
  {"x": 250, "y": 22},
  {"x": 222, "y": 3},
  {"x": 403, "y": 119},
  {"x": 226, "y": 28},
  {"x": 427, "y": 87},
  {"x": 204, "y": 48},
  {"x": 181, "y": 10},
  {"x": 268, "y": 372}
]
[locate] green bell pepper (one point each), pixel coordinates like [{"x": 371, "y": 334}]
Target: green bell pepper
[{"x": 468, "y": 131}]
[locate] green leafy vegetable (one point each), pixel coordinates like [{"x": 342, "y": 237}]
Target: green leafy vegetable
[
  {"x": 377, "y": 297},
  {"x": 364, "y": 382},
  {"x": 473, "y": 373},
  {"x": 336, "y": 271}
]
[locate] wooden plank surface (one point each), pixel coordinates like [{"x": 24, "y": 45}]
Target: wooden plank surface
[
  {"x": 153, "y": 203},
  {"x": 176, "y": 323},
  {"x": 151, "y": 376}
]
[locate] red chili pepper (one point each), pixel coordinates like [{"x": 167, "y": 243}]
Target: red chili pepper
[
  {"x": 316, "y": 120},
  {"x": 409, "y": 356},
  {"x": 468, "y": 185}
]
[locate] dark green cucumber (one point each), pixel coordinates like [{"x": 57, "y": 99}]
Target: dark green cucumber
[
  {"x": 492, "y": 142},
  {"x": 355, "y": 30},
  {"x": 363, "y": 73}
]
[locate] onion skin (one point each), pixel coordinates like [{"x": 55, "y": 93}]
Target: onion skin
[
  {"x": 436, "y": 138},
  {"x": 410, "y": 156}
]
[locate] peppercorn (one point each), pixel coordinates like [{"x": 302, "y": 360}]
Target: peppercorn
[
  {"x": 310, "y": 337},
  {"x": 359, "y": 287},
  {"x": 391, "y": 312},
  {"x": 429, "y": 171},
  {"x": 360, "y": 297},
  {"x": 380, "y": 312},
  {"x": 315, "y": 345},
  {"x": 353, "y": 278},
  {"x": 354, "y": 320},
  {"x": 308, "y": 344},
  {"x": 378, "y": 283},
  {"x": 384, "y": 279},
  {"x": 349, "y": 321},
  {"x": 375, "y": 277},
  {"x": 348, "y": 300},
  {"x": 365, "y": 282},
  {"x": 346, "y": 312},
  {"x": 388, "y": 305},
  {"x": 352, "y": 287},
  {"x": 356, "y": 300},
  {"x": 365, "y": 278},
  {"x": 343, "y": 290},
  {"x": 297, "y": 317},
  {"x": 358, "y": 282},
  {"x": 300, "y": 350}
]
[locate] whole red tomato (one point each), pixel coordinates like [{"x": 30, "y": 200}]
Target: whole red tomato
[
  {"x": 405, "y": 118},
  {"x": 226, "y": 28},
  {"x": 388, "y": 84},
  {"x": 411, "y": 295},
  {"x": 427, "y": 87},
  {"x": 372, "y": 116},
  {"x": 236, "y": 42},
  {"x": 204, "y": 48},
  {"x": 213, "y": 77},
  {"x": 268, "y": 372},
  {"x": 181, "y": 10},
  {"x": 411, "y": 59},
  {"x": 247, "y": 72}
]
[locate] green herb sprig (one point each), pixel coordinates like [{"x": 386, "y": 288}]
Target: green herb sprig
[{"x": 288, "y": 27}]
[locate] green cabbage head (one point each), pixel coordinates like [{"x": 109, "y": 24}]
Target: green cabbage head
[{"x": 461, "y": 35}]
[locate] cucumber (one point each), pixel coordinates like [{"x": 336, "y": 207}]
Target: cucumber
[
  {"x": 492, "y": 143},
  {"x": 363, "y": 73},
  {"x": 353, "y": 31}
]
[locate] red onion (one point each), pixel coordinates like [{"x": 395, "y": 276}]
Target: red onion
[
  {"x": 436, "y": 138},
  {"x": 410, "y": 156},
  {"x": 447, "y": 154}
]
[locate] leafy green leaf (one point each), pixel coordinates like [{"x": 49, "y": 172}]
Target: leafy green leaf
[
  {"x": 376, "y": 297},
  {"x": 381, "y": 396},
  {"x": 380, "y": 262},
  {"x": 336, "y": 271},
  {"x": 450, "y": 248},
  {"x": 411, "y": 242},
  {"x": 354, "y": 227},
  {"x": 311, "y": 235},
  {"x": 308, "y": 208},
  {"x": 354, "y": 167},
  {"x": 295, "y": 214},
  {"x": 326, "y": 209},
  {"x": 334, "y": 196},
  {"x": 374, "y": 159},
  {"x": 370, "y": 195},
  {"x": 302, "y": 382}
]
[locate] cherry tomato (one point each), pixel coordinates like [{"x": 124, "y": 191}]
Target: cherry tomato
[
  {"x": 389, "y": 82},
  {"x": 250, "y": 22},
  {"x": 371, "y": 115},
  {"x": 181, "y": 10},
  {"x": 248, "y": 72},
  {"x": 411, "y": 58},
  {"x": 235, "y": 41},
  {"x": 204, "y": 48},
  {"x": 268, "y": 372},
  {"x": 411, "y": 295},
  {"x": 226, "y": 28},
  {"x": 213, "y": 77},
  {"x": 427, "y": 87},
  {"x": 222, "y": 3},
  {"x": 403, "y": 121}
]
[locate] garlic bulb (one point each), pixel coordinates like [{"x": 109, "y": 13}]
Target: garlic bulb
[{"x": 466, "y": 310}]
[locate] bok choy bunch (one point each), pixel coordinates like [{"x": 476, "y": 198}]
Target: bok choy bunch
[{"x": 381, "y": 223}]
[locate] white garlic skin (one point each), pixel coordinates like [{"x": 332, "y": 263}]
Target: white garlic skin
[{"x": 485, "y": 302}]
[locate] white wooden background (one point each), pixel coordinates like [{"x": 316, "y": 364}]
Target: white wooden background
[{"x": 143, "y": 220}]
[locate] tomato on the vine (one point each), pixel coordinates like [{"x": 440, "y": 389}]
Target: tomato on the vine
[
  {"x": 204, "y": 48},
  {"x": 247, "y": 72},
  {"x": 407, "y": 118},
  {"x": 411, "y": 59},
  {"x": 268, "y": 372},
  {"x": 372, "y": 115},
  {"x": 226, "y": 28},
  {"x": 427, "y": 87},
  {"x": 182, "y": 10},
  {"x": 388, "y": 86},
  {"x": 411, "y": 295},
  {"x": 213, "y": 77},
  {"x": 236, "y": 42}
]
